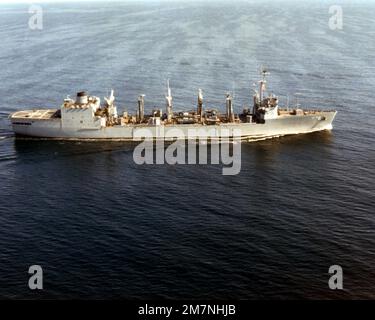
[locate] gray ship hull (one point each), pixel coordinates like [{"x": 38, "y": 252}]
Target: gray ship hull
[{"x": 281, "y": 126}]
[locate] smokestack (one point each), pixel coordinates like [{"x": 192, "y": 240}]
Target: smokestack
[
  {"x": 82, "y": 97},
  {"x": 141, "y": 108}
]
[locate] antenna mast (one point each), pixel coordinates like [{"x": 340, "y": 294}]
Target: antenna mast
[
  {"x": 169, "y": 102},
  {"x": 262, "y": 83}
]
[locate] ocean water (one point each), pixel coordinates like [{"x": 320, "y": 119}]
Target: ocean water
[{"x": 103, "y": 227}]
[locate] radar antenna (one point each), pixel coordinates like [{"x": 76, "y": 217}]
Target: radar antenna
[{"x": 110, "y": 99}]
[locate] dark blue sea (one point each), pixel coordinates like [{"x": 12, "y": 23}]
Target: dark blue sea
[{"x": 104, "y": 227}]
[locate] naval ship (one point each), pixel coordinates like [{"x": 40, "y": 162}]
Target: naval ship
[{"x": 86, "y": 118}]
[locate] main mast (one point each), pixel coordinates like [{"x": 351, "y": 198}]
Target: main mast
[
  {"x": 168, "y": 99},
  {"x": 262, "y": 84}
]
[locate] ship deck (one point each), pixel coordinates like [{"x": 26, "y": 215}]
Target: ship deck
[{"x": 38, "y": 114}]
